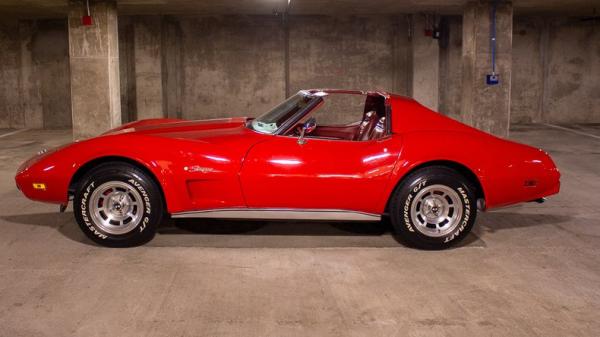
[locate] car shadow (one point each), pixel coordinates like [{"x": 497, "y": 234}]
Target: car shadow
[
  {"x": 213, "y": 226},
  {"x": 286, "y": 234},
  {"x": 297, "y": 234},
  {"x": 494, "y": 221},
  {"x": 273, "y": 234},
  {"x": 64, "y": 223}
]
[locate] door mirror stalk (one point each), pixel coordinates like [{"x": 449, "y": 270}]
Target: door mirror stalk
[{"x": 307, "y": 128}]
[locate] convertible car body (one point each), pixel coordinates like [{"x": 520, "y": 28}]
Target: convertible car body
[{"x": 285, "y": 165}]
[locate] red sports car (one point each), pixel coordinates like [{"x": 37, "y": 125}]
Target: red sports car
[{"x": 390, "y": 156}]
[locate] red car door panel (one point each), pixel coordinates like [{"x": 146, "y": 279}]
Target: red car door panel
[{"x": 320, "y": 174}]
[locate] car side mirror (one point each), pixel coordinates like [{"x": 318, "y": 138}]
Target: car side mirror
[{"x": 307, "y": 128}]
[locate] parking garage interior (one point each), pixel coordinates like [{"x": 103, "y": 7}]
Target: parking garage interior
[{"x": 526, "y": 270}]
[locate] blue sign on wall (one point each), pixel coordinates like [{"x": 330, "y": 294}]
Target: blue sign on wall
[{"x": 492, "y": 79}]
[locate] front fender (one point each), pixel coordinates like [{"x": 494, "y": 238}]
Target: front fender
[{"x": 175, "y": 167}]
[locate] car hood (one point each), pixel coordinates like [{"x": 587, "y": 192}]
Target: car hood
[
  {"x": 166, "y": 126},
  {"x": 183, "y": 129}
]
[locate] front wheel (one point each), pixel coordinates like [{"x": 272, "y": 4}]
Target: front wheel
[
  {"x": 118, "y": 205},
  {"x": 433, "y": 208}
]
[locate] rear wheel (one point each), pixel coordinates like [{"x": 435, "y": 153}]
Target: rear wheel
[
  {"x": 118, "y": 205},
  {"x": 433, "y": 208}
]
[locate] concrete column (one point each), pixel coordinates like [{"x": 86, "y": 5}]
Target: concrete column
[
  {"x": 148, "y": 67},
  {"x": 94, "y": 60},
  {"x": 425, "y": 62},
  {"x": 486, "y": 107}
]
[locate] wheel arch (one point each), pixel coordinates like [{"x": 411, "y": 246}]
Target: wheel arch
[
  {"x": 460, "y": 168},
  {"x": 88, "y": 166}
]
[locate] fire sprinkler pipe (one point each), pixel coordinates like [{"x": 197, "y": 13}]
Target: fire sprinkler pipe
[{"x": 493, "y": 36}]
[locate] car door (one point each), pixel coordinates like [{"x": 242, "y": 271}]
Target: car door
[{"x": 319, "y": 174}]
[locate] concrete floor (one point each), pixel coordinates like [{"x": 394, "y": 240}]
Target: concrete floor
[{"x": 529, "y": 270}]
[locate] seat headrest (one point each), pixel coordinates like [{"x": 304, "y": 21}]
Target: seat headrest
[{"x": 369, "y": 115}]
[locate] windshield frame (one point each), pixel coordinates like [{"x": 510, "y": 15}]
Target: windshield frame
[
  {"x": 312, "y": 101},
  {"x": 297, "y": 117}
]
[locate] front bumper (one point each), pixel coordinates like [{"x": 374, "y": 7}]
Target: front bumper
[{"x": 40, "y": 178}]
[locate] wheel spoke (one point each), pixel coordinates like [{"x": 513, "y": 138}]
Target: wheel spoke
[
  {"x": 439, "y": 210},
  {"x": 115, "y": 207}
]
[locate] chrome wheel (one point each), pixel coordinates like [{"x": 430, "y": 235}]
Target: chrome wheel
[
  {"x": 116, "y": 207},
  {"x": 436, "y": 210}
]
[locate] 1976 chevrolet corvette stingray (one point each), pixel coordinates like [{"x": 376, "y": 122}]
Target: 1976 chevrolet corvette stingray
[{"x": 429, "y": 173}]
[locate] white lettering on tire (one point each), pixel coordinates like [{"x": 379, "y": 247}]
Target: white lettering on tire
[
  {"x": 84, "y": 212},
  {"x": 147, "y": 206},
  {"x": 465, "y": 219},
  {"x": 90, "y": 225},
  {"x": 407, "y": 203}
]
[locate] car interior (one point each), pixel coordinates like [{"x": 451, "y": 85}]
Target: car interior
[{"x": 372, "y": 126}]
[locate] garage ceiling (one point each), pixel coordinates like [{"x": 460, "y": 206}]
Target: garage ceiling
[{"x": 57, "y": 8}]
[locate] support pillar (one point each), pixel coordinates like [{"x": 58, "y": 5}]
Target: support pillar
[
  {"x": 94, "y": 61},
  {"x": 486, "y": 107}
]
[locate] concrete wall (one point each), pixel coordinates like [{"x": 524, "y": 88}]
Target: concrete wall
[
  {"x": 172, "y": 67},
  {"x": 556, "y": 62},
  {"x": 30, "y": 83},
  {"x": 212, "y": 66},
  {"x": 34, "y": 74},
  {"x": 572, "y": 72},
  {"x": 344, "y": 52},
  {"x": 556, "y": 70},
  {"x": 425, "y": 60},
  {"x": 450, "y": 87},
  {"x": 50, "y": 50},
  {"x": 528, "y": 71},
  {"x": 147, "y": 54},
  {"x": 127, "y": 69},
  {"x": 11, "y": 114},
  {"x": 231, "y": 65},
  {"x": 215, "y": 66}
]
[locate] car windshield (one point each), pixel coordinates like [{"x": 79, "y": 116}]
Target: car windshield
[{"x": 270, "y": 121}]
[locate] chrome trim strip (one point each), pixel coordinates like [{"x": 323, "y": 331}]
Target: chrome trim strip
[{"x": 280, "y": 214}]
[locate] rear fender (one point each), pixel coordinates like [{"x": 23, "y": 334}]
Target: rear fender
[{"x": 438, "y": 147}]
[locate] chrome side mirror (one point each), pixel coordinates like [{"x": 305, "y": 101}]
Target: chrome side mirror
[{"x": 307, "y": 128}]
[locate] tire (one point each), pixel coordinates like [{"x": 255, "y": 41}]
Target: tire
[
  {"x": 121, "y": 192},
  {"x": 433, "y": 208}
]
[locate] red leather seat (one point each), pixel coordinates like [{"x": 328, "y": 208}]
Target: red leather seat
[
  {"x": 379, "y": 129},
  {"x": 365, "y": 129}
]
